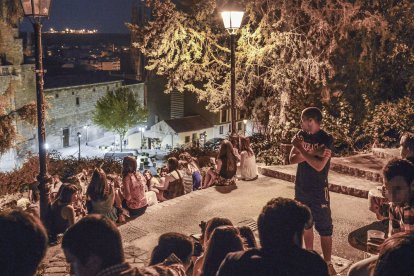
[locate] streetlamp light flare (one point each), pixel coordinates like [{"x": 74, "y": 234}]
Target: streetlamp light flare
[{"x": 232, "y": 19}]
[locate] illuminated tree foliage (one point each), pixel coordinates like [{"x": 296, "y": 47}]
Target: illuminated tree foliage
[
  {"x": 118, "y": 111},
  {"x": 290, "y": 54}
]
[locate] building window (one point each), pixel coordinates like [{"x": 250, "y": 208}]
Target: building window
[
  {"x": 56, "y": 96},
  {"x": 221, "y": 129},
  {"x": 194, "y": 137},
  {"x": 224, "y": 115},
  {"x": 77, "y": 100},
  {"x": 73, "y": 93},
  {"x": 187, "y": 139},
  {"x": 229, "y": 127}
]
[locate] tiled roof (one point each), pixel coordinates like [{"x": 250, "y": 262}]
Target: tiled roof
[{"x": 189, "y": 123}]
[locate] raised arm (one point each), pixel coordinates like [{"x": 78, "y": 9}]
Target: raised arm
[{"x": 295, "y": 156}]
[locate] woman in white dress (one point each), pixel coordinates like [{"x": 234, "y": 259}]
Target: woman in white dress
[{"x": 248, "y": 168}]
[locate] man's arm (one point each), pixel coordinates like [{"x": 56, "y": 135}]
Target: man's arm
[
  {"x": 314, "y": 161},
  {"x": 295, "y": 156},
  {"x": 318, "y": 163}
]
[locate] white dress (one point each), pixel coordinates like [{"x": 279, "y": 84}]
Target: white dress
[{"x": 248, "y": 168}]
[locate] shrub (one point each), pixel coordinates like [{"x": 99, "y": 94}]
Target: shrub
[
  {"x": 388, "y": 120},
  {"x": 16, "y": 180}
]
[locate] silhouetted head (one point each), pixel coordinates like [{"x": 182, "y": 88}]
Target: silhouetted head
[
  {"x": 92, "y": 244},
  {"x": 23, "y": 243}
]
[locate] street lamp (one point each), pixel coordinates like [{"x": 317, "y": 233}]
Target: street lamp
[
  {"x": 245, "y": 123},
  {"x": 232, "y": 19},
  {"x": 35, "y": 10},
  {"x": 79, "y": 137}
]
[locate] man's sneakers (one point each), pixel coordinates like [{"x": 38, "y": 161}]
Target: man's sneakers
[{"x": 331, "y": 270}]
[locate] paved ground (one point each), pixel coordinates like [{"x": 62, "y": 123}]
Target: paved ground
[{"x": 241, "y": 205}]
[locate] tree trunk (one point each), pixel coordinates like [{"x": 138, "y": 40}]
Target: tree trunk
[{"x": 121, "y": 142}]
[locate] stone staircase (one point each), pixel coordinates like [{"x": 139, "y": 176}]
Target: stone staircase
[{"x": 353, "y": 175}]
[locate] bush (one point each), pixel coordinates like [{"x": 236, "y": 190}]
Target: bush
[
  {"x": 16, "y": 180},
  {"x": 388, "y": 120}
]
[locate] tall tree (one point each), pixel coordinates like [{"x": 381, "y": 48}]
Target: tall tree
[
  {"x": 118, "y": 111},
  {"x": 289, "y": 53}
]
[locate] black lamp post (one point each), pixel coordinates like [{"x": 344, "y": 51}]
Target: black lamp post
[
  {"x": 79, "y": 137},
  {"x": 35, "y": 10},
  {"x": 232, "y": 19}
]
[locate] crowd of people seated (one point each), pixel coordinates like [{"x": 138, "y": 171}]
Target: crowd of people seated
[
  {"x": 119, "y": 197},
  {"x": 93, "y": 245}
]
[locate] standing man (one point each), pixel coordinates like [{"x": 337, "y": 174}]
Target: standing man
[{"x": 312, "y": 152}]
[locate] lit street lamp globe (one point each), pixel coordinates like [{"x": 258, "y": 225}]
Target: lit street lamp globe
[
  {"x": 36, "y": 8},
  {"x": 232, "y": 18}
]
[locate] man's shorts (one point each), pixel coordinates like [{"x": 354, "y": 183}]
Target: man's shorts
[{"x": 321, "y": 213}]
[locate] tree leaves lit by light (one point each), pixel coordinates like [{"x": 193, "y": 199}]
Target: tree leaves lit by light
[{"x": 118, "y": 111}]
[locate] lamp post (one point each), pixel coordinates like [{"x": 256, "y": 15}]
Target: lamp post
[
  {"x": 232, "y": 19},
  {"x": 79, "y": 137},
  {"x": 35, "y": 10}
]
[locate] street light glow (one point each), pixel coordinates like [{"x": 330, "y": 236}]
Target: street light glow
[{"x": 232, "y": 20}]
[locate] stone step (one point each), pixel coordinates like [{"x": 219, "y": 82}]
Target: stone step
[
  {"x": 365, "y": 166},
  {"x": 386, "y": 153},
  {"x": 338, "y": 183}
]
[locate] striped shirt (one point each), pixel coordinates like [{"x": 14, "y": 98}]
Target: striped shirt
[{"x": 401, "y": 219}]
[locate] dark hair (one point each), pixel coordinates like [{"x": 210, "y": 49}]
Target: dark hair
[
  {"x": 399, "y": 167},
  {"x": 172, "y": 164},
  {"x": 66, "y": 193},
  {"x": 182, "y": 164},
  {"x": 225, "y": 239},
  {"x": 247, "y": 235},
  {"x": 245, "y": 145},
  {"x": 226, "y": 153},
  {"x": 280, "y": 219},
  {"x": 23, "y": 243},
  {"x": 172, "y": 243},
  {"x": 98, "y": 188},
  {"x": 164, "y": 169},
  {"x": 213, "y": 224},
  {"x": 312, "y": 113},
  {"x": 407, "y": 141},
  {"x": 129, "y": 165},
  {"x": 94, "y": 235},
  {"x": 396, "y": 256}
]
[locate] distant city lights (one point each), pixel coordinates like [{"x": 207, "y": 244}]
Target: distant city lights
[{"x": 72, "y": 31}]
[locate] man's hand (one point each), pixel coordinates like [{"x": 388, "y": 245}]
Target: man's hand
[{"x": 297, "y": 142}]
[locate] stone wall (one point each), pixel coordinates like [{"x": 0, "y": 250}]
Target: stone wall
[
  {"x": 11, "y": 47},
  {"x": 72, "y": 108}
]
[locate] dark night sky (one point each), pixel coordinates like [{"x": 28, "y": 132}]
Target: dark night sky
[{"x": 107, "y": 16}]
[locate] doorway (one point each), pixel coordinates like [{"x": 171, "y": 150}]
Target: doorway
[{"x": 65, "y": 137}]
